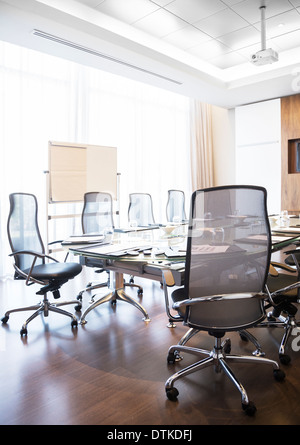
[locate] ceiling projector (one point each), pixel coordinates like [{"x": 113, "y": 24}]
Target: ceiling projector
[{"x": 264, "y": 57}]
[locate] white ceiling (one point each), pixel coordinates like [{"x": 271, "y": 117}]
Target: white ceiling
[{"x": 200, "y": 48}]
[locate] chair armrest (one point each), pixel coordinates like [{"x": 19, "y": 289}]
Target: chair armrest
[
  {"x": 33, "y": 253},
  {"x": 274, "y": 272},
  {"x": 283, "y": 290},
  {"x": 193, "y": 301},
  {"x": 168, "y": 277},
  {"x": 168, "y": 281},
  {"x": 289, "y": 252},
  {"x": 27, "y": 276}
]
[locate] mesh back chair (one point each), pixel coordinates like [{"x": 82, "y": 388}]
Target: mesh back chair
[
  {"x": 176, "y": 206},
  {"x": 97, "y": 213},
  {"x": 224, "y": 287},
  {"x": 96, "y": 218},
  {"x": 140, "y": 210},
  {"x": 30, "y": 262}
]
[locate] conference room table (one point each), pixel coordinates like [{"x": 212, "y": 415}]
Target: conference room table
[
  {"x": 146, "y": 253},
  {"x": 138, "y": 252}
]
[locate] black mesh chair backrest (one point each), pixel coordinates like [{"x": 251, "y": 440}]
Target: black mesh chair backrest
[
  {"x": 97, "y": 213},
  {"x": 176, "y": 206},
  {"x": 141, "y": 209},
  {"x": 227, "y": 253},
  {"x": 22, "y": 228}
]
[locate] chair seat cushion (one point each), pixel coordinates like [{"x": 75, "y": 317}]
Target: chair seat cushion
[{"x": 55, "y": 271}]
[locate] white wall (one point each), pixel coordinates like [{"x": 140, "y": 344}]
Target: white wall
[
  {"x": 258, "y": 148},
  {"x": 223, "y": 128}
]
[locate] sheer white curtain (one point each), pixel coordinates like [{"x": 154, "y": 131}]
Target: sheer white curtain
[
  {"x": 201, "y": 145},
  {"x": 46, "y": 98}
]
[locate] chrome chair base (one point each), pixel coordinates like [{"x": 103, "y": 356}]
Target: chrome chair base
[
  {"x": 218, "y": 357},
  {"x": 43, "y": 308}
]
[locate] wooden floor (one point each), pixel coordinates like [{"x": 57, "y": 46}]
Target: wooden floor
[{"x": 112, "y": 371}]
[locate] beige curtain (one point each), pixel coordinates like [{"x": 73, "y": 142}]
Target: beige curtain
[{"x": 201, "y": 145}]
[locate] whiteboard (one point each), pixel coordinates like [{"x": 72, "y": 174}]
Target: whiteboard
[{"x": 75, "y": 169}]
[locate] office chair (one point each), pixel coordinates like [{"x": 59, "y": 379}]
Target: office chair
[
  {"x": 284, "y": 290},
  {"x": 31, "y": 263},
  {"x": 96, "y": 218},
  {"x": 140, "y": 210},
  {"x": 140, "y": 213},
  {"x": 224, "y": 286},
  {"x": 176, "y": 206}
]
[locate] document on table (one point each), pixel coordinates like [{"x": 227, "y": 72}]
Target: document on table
[
  {"x": 114, "y": 250},
  {"x": 83, "y": 239}
]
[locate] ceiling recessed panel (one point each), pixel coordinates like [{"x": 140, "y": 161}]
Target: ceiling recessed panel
[
  {"x": 194, "y": 10},
  {"x": 160, "y": 23},
  {"x": 249, "y": 9},
  {"x": 209, "y": 49},
  {"x": 221, "y": 23},
  {"x": 187, "y": 37},
  {"x": 162, "y": 2},
  {"x": 241, "y": 38},
  {"x": 128, "y": 11},
  {"x": 287, "y": 41},
  {"x": 228, "y": 60},
  {"x": 282, "y": 23}
]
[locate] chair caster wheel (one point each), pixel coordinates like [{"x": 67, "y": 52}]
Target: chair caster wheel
[
  {"x": 279, "y": 375},
  {"x": 5, "y": 319},
  {"x": 74, "y": 324},
  {"x": 243, "y": 337},
  {"x": 172, "y": 394},
  {"x": 23, "y": 331},
  {"x": 284, "y": 359},
  {"x": 249, "y": 409},
  {"x": 171, "y": 359},
  {"x": 227, "y": 347},
  {"x": 140, "y": 292},
  {"x": 78, "y": 308}
]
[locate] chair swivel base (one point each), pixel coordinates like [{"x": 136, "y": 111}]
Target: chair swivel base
[
  {"x": 43, "y": 308},
  {"x": 288, "y": 323},
  {"x": 218, "y": 358},
  {"x": 113, "y": 296}
]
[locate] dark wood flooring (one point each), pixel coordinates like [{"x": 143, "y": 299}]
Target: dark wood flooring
[{"x": 112, "y": 371}]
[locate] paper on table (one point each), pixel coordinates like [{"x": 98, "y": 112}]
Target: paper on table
[
  {"x": 206, "y": 248},
  {"x": 286, "y": 229}
]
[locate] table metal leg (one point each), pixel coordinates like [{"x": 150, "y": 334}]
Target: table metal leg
[{"x": 117, "y": 293}]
